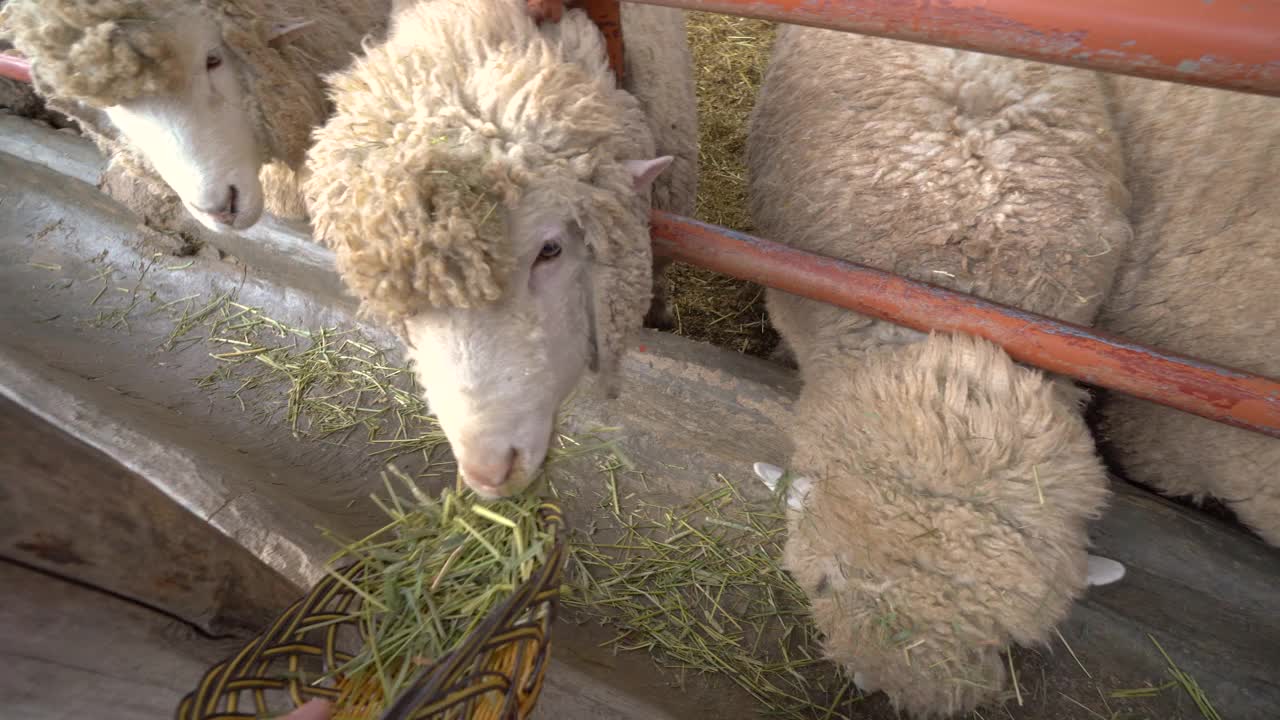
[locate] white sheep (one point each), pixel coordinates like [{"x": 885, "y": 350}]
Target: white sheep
[
  {"x": 949, "y": 488},
  {"x": 486, "y": 187},
  {"x": 1203, "y": 279},
  {"x": 216, "y": 97}
]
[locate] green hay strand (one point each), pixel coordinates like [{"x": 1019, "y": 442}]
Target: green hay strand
[
  {"x": 427, "y": 584},
  {"x": 1189, "y": 685},
  {"x": 700, "y": 589}
]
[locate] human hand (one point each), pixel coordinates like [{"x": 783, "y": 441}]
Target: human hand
[{"x": 312, "y": 710}]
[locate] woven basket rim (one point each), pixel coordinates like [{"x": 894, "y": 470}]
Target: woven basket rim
[{"x": 540, "y": 590}]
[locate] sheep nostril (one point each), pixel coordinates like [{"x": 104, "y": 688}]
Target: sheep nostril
[
  {"x": 225, "y": 212},
  {"x": 490, "y": 475}
]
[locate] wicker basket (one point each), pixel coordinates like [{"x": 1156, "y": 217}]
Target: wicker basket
[{"x": 496, "y": 674}]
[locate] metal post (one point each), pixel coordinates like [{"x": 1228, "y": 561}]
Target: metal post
[{"x": 1232, "y": 44}]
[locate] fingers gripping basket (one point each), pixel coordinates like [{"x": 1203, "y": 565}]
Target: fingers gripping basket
[{"x": 495, "y": 674}]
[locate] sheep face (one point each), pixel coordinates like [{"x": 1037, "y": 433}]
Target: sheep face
[
  {"x": 496, "y": 374},
  {"x": 200, "y": 137}
]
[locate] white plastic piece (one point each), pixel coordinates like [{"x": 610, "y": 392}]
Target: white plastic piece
[
  {"x": 769, "y": 474},
  {"x": 1104, "y": 571}
]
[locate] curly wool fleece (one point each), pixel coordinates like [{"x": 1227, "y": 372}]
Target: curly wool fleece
[
  {"x": 92, "y": 54},
  {"x": 947, "y": 518},
  {"x": 467, "y": 111},
  {"x": 104, "y": 53}
]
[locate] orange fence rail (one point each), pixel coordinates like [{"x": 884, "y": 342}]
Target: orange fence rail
[
  {"x": 15, "y": 68},
  {"x": 1219, "y": 393},
  {"x": 1223, "y": 43},
  {"x": 1232, "y": 44}
]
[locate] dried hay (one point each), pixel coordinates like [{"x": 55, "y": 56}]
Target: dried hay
[
  {"x": 428, "y": 579},
  {"x": 700, "y": 589},
  {"x": 730, "y": 55}
]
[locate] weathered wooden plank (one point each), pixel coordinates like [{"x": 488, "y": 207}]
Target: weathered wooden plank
[
  {"x": 69, "y": 509},
  {"x": 73, "y": 653},
  {"x": 1209, "y": 594}
]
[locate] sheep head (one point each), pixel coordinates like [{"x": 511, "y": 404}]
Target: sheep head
[
  {"x": 489, "y": 196},
  {"x": 169, "y": 88},
  {"x": 941, "y": 514}
]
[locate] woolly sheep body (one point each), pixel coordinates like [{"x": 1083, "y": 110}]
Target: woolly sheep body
[
  {"x": 87, "y": 56},
  {"x": 949, "y": 483},
  {"x": 991, "y": 177},
  {"x": 1203, "y": 278}
]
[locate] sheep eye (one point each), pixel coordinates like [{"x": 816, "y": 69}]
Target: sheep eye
[
  {"x": 549, "y": 251},
  {"x": 212, "y": 61}
]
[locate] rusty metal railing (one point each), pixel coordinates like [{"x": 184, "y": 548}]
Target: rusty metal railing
[
  {"x": 1224, "y": 43},
  {"x": 15, "y": 68},
  {"x": 1219, "y": 393},
  {"x": 1232, "y": 44}
]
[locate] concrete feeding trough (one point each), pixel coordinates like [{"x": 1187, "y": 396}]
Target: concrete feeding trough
[{"x": 151, "y": 524}]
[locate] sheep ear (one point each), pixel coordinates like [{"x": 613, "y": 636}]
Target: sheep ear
[
  {"x": 1103, "y": 571},
  {"x": 797, "y": 491},
  {"x": 644, "y": 172},
  {"x": 282, "y": 33}
]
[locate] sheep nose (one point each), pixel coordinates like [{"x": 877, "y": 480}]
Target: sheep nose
[
  {"x": 488, "y": 475},
  {"x": 225, "y": 212}
]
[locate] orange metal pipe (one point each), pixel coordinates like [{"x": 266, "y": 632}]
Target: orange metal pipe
[
  {"x": 1219, "y": 393},
  {"x": 1232, "y": 44},
  {"x": 607, "y": 15},
  {"x": 15, "y": 68}
]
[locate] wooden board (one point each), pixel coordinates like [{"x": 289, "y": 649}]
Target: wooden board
[
  {"x": 68, "y": 509},
  {"x": 74, "y": 653}
]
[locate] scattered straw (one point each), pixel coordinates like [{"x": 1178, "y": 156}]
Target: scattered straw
[
  {"x": 1144, "y": 692},
  {"x": 1073, "y": 653},
  {"x": 1013, "y": 675},
  {"x": 1189, "y": 685},
  {"x": 700, "y": 589},
  {"x": 337, "y": 383},
  {"x": 1081, "y": 705}
]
